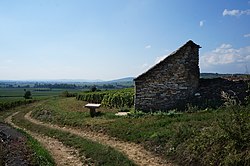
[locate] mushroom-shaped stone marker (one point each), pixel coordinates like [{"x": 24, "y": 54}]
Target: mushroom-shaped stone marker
[{"x": 92, "y": 108}]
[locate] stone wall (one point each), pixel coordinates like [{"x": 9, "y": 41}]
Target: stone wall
[
  {"x": 209, "y": 92},
  {"x": 170, "y": 82}
]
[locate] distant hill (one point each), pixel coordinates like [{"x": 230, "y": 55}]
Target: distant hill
[
  {"x": 217, "y": 75},
  {"x": 126, "y": 79}
]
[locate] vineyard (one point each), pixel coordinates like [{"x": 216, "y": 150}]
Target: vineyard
[
  {"x": 111, "y": 99},
  {"x": 12, "y": 97},
  {"x": 8, "y": 105},
  {"x": 11, "y": 104}
]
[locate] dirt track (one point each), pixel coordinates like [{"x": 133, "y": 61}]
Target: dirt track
[
  {"x": 62, "y": 155},
  {"x": 134, "y": 151}
]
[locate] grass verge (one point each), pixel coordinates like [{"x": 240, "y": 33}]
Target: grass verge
[{"x": 41, "y": 156}]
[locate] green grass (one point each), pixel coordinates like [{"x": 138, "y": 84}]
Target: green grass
[
  {"x": 99, "y": 154},
  {"x": 42, "y": 157},
  {"x": 10, "y": 99},
  {"x": 69, "y": 111},
  {"x": 189, "y": 138},
  {"x": 19, "y": 92}
]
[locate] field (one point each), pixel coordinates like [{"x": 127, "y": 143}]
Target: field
[
  {"x": 193, "y": 137},
  {"x": 18, "y": 93},
  {"x": 11, "y": 97}
]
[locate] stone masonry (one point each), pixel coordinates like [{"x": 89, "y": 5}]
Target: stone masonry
[{"x": 169, "y": 83}]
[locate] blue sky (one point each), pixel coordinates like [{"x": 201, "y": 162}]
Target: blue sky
[{"x": 108, "y": 39}]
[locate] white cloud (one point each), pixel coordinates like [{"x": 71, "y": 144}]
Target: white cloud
[
  {"x": 148, "y": 46},
  {"x": 202, "y": 23},
  {"x": 226, "y": 55},
  {"x": 236, "y": 12},
  {"x": 231, "y": 12},
  {"x": 247, "y": 12},
  {"x": 247, "y": 35}
]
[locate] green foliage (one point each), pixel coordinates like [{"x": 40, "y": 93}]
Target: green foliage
[
  {"x": 136, "y": 113},
  {"x": 93, "y": 89},
  {"x": 236, "y": 129},
  {"x": 67, "y": 94},
  {"x": 27, "y": 94},
  {"x": 12, "y": 104},
  {"x": 112, "y": 99},
  {"x": 225, "y": 141},
  {"x": 191, "y": 108}
]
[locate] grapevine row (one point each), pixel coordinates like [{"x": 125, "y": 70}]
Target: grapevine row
[
  {"x": 112, "y": 98},
  {"x": 12, "y": 104}
]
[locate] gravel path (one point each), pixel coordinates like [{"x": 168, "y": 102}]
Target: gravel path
[
  {"x": 134, "y": 151},
  {"x": 62, "y": 155}
]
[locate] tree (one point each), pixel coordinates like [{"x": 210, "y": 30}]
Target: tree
[
  {"x": 27, "y": 95},
  {"x": 93, "y": 88}
]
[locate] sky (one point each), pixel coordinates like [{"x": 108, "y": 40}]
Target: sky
[{"x": 110, "y": 39}]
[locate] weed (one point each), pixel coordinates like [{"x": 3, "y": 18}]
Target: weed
[
  {"x": 237, "y": 130},
  {"x": 191, "y": 108}
]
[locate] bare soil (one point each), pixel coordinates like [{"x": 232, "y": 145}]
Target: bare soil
[
  {"x": 134, "y": 151},
  {"x": 62, "y": 155},
  {"x": 13, "y": 149}
]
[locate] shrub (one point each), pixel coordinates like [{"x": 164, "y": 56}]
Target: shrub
[{"x": 225, "y": 141}]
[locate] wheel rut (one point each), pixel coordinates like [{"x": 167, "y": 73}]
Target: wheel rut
[
  {"x": 62, "y": 155},
  {"x": 133, "y": 151}
]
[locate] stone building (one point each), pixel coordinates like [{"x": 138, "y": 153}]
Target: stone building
[{"x": 171, "y": 82}]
